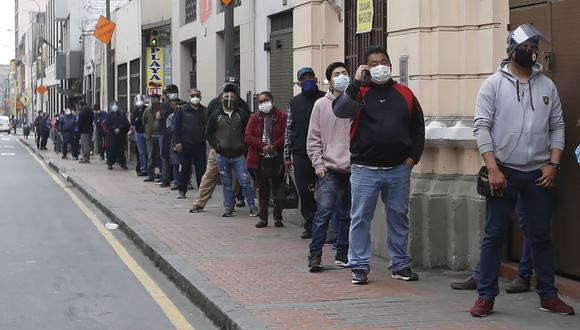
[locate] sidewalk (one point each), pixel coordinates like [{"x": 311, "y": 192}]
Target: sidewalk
[{"x": 250, "y": 278}]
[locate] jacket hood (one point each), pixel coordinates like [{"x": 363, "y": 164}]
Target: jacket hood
[
  {"x": 505, "y": 72},
  {"x": 330, "y": 96}
]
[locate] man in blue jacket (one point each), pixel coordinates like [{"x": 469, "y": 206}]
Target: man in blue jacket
[{"x": 387, "y": 138}]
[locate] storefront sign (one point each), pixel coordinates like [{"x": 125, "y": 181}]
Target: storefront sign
[
  {"x": 364, "y": 16},
  {"x": 167, "y": 66},
  {"x": 155, "y": 72}
]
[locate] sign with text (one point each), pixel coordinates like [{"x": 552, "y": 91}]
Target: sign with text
[
  {"x": 364, "y": 16},
  {"x": 155, "y": 72}
]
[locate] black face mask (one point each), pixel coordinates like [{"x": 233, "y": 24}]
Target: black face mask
[{"x": 526, "y": 57}]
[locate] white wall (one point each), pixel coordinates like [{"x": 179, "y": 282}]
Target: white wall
[{"x": 127, "y": 37}]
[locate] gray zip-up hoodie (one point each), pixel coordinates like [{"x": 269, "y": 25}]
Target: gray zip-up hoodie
[
  {"x": 328, "y": 139},
  {"x": 519, "y": 122}
]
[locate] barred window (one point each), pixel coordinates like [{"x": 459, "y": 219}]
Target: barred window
[{"x": 190, "y": 11}]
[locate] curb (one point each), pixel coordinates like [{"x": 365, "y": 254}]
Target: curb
[{"x": 212, "y": 300}]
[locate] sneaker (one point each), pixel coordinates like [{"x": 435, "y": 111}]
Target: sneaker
[
  {"x": 241, "y": 204},
  {"x": 228, "y": 213},
  {"x": 278, "y": 224},
  {"x": 253, "y": 211},
  {"x": 330, "y": 242},
  {"x": 306, "y": 234},
  {"x": 262, "y": 224},
  {"x": 341, "y": 258},
  {"x": 84, "y": 161},
  {"x": 109, "y": 167},
  {"x": 196, "y": 209},
  {"x": 314, "y": 263},
  {"x": 174, "y": 187},
  {"x": 124, "y": 167},
  {"x": 518, "y": 285},
  {"x": 149, "y": 179},
  {"x": 63, "y": 157},
  {"x": 482, "y": 308},
  {"x": 556, "y": 305},
  {"x": 181, "y": 195},
  {"x": 190, "y": 186},
  {"x": 165, "y": 185},
  {"x": 405, "y": 274},
  {"x": 469, "y": 283},
  {"x": 143, "y": 174},
  {"x": 359, "y": 277}
]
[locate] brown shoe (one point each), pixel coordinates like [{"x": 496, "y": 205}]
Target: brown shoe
[
  {"x": 482, "y": 308},
  {"x": 469, "y": 283},
  {"x": 518, "y": 285},
  {"x": 556, "y": 305}
]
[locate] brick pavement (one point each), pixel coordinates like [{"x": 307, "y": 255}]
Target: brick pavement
[{"x": 264, "y": 270}]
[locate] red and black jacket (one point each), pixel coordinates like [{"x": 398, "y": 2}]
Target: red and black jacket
[{"x": 388, "y": 125}]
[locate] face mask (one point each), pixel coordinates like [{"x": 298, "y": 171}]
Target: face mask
[
  {"x": 341, "y": 82},
  {"x": 139, "y": 103},
  {"x": 195, "y": 100},
  {"x": 115, "y": 108},
  {"x": 308, "y": 86},
  {"x": 265, "y": 107},
  {"x": 526, "y": 57},
  {"x": 380, "y": 74},
  {"x": 67, "y": 112},
  {"x": 172, "y": 96},
  {"x": 229, "y": 103}
]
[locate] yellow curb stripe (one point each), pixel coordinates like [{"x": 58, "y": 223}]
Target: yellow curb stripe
[{"x": 167, "y": 306}]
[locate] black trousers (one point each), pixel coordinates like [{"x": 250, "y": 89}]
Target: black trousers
[
  {"x": 195, "y": 154},
  {"x": 43, "y": 139},
  {"x": 305, "y": 176},
  {"x": 266, "y": 186},
  {"x": 116, "y": 151}
]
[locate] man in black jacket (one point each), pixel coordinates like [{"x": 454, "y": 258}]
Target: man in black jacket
[
  {"x": 86, "y": 129},
  {"x": 225, "y": 133},
  {"x": 295, "y": 155},
  {"x": 99, "y": 118},
  {"x": 167, "y": 108},
  {"x": 387, "y": 138},
  {"x": 137, "y": 123},
  {"x": 118, "y": 126}
]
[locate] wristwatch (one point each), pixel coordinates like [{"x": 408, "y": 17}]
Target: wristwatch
[{"x": 554, "y": 165}]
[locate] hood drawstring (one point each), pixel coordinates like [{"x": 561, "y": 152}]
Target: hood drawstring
[
  {"x": 518, "y": 90},
  {"x": 531, "y": 99}
]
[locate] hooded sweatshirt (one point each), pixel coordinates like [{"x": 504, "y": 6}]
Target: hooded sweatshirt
[
  {"x": 519, "y": 122},
  {"x": 328, "y": 139}
]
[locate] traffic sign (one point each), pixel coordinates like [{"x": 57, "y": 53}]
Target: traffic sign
[
  {"x": 41, "y": 89},
  {"x": 226, "y": 2},
  {"x": 104, "y": 30}
]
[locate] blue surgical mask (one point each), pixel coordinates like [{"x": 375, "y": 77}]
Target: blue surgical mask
[
  {"x": 341, "y": 82},
  {"x": 309, "y": 86},
  {"x": 172, "y": 96},
  {"x": 578, "y": 154}
]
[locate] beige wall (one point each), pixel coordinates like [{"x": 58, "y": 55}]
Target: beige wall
[
  {"x": 155, "y": 11},
  {"x": 453, "y": 46},
  {"x": 318, "y": 36}
]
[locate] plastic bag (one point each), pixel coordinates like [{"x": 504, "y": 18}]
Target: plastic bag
[{"x": 287, "y": 195}]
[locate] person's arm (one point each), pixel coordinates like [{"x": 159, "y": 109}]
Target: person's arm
[
  {"x": 249, "y": 138},
  {"x": 177, "y": 122},
  {"x": 417, "y": 132},
  {"x": 210, "y": 131},
  {"x": 557, "y": 142},
  {"x": 314, "y": 143},
  {"x": 288, "y": 138}
]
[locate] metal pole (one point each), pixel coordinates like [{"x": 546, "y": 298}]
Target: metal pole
[
  {"x": 109, "y": 66},
  {"x": 229, "y": 39}
]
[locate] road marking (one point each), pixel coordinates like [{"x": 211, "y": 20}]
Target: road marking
[
  {"x": 7, "y": 154},
  {"x": 167, "y": 306},
  {"x": 6, "y": 139}
]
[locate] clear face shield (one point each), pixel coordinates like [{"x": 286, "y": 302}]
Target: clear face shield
[
  {"x": 139, "y": 100},
  {"x": 229, "y": 100},
  {"x": 525, "y": 32}
]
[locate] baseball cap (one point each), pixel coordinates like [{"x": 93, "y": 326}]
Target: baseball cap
[{"x": 304, "y": 71}]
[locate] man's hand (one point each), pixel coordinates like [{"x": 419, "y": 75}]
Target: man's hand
[
  {"x": 321, "y": 174},
  {"x": 288, "y": 165},
  {"x": 409, "y": 163},
  {"x": 117, "y": 131},
  {"x": 158, "y": 116},
  {"x": 497, "y": 182},
  {"x": 178, "y": 148},
  {"x": 360, "y": 72},
  {"x": 548, "y": 178},
  {"x": 267, "y": 148}
]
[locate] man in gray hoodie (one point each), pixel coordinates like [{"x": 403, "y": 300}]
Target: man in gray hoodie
[
  {"x": 519, "y": 129},
  {"x": 327, "y": 146}
]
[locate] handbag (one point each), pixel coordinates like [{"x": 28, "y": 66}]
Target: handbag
[
  {"x": 483, "y": 187},
  {"x": 270, "y": 166},
  {"x": 286, "y": 196}
]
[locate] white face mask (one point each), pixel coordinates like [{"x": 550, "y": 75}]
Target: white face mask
[
  {"x": 139, "y": 103},
  {"x": 67, "y": 112},
  {"x": 195, "y": 100},
  {"x": 341, "y": 82},
  {"x": 115, "y": 108},
  {"x": 380, "y": 74},
  {"x": 265, "y": 107},
  {"x": 172, "y": 96}
]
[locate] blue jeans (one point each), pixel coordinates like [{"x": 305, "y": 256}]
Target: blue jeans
[
  {"x": 526, "y": 266},
  {"x": 539, "y": 205},
  {"x": 238, "y": 165},
  {"x": 394, "y": 187},
  {"x": 334, "y": 190},
  {"x": 142, "y": 148}
]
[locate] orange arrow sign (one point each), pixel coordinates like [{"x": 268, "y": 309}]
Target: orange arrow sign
[{"x": 104, "y": 30}]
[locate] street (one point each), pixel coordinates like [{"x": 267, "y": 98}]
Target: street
[{"x": 60, "y": 272}]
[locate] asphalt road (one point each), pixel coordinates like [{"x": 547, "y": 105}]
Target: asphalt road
[{"x": 59, "y": 272}]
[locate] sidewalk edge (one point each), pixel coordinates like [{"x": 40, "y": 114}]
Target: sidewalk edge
[{"x": 212, "y": 300}]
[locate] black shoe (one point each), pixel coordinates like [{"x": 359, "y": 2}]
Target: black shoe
[
  {"x": 278, "y": 224},
  {"x": 181, "y": 195},
  {"x": 109, "y": 167},
  {"x": 359, "y": 277},
  {"x": 262, "y": 224},
  {"x": 228, "y": 213},
  {"x": 469, "y": 283},
  {"x": 165, "y": 185},
  {"x": 314, "y": 263},
  {"x": 174, "y": 187},
  {"x": 196, "y": 209},
  {"x": 306, "y": 234},
  {"x": 518, "y": 285},
  {"x": 149, "y": 179},
  {"x": 143, "y": 174},
  {"x": 341, "y": 258},
  {"x": 241, "y": 204},
  {"x": 405, "y": 274},
  {"x": 330, "y": 242},
  {"x": 124, "y": 167},
  {"x": 190, "y": 186}
]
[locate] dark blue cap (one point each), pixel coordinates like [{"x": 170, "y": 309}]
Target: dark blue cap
[{"x": 304, "y": 71}]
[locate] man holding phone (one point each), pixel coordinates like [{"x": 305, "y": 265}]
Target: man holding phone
[{"x": 387, "y": 138}]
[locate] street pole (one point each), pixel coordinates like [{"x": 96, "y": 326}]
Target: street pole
[
  {"x": 109, "y": 66},
  {"x": 229, "y": 38}
]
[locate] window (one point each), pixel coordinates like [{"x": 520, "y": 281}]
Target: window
[
  {"x": 122, "y": 86},
  {"x": 134, "y": 81},
  {"x": 190, "y": 11},
  {"x": 220, "y": 5}
]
